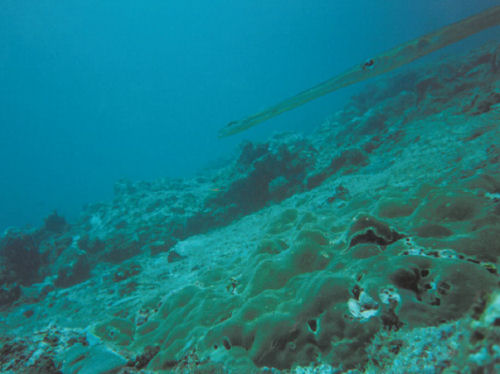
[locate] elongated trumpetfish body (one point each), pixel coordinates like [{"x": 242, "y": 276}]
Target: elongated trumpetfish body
[{"x": 380, "y": 64}]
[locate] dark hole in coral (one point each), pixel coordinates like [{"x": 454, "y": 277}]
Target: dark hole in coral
[
  {"x": 436, "y": 301},
  {"x": 491, "y": 270},
  {"x": 427, "y": 286},
  {"x": 443, "y": 288},
  {"x": 479, "y": 306},
  {"x": 391, "y": 321},
  {"x": 226, "y": 344},
  {"x": 313, "y": 324},
  {"x": 407, "y": 279},
  {"x": 395, "y": 346},
  {"x": 216, "y": 346},
  {"x": 424, "y": 272},
  {"x": 496, "y": 322},
  {"x": 356, "y": 291},
  {"x": 368, "y": 237},
  {"x": 370, "y": 230},
  {"x": 477, "y": 336}
]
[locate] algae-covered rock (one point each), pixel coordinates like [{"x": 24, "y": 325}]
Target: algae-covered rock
[
  {"x": 20, "y": 251},
  {"x": 55, "y": 223},
  {"x": 78, "y": 270}
]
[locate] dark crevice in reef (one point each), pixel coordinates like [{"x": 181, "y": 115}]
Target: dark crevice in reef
[{"x": 367, "y": 229}]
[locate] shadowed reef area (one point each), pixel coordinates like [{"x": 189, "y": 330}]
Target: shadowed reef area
[{"x": 370, "y": 246}]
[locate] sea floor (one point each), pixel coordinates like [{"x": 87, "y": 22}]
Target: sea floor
[{"x": 370, "y": 246}]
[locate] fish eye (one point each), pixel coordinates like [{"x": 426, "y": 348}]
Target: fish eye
[{"x": 369, "y": 64}]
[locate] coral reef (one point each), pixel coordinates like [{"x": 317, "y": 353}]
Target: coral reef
[{"x": 371, "y": 245}]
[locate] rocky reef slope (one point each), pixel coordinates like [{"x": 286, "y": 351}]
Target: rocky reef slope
[{"x": 370, "y": 246}]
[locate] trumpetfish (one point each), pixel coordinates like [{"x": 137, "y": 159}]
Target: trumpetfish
[{"x": 383, "y": 63}]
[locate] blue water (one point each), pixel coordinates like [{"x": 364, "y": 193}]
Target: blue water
[{"x": 92, "y": 91}]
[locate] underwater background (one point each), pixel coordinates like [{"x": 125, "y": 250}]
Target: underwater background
[
  {"x": 92, "y": 91},
  {"x": 357, "y": 234}
]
